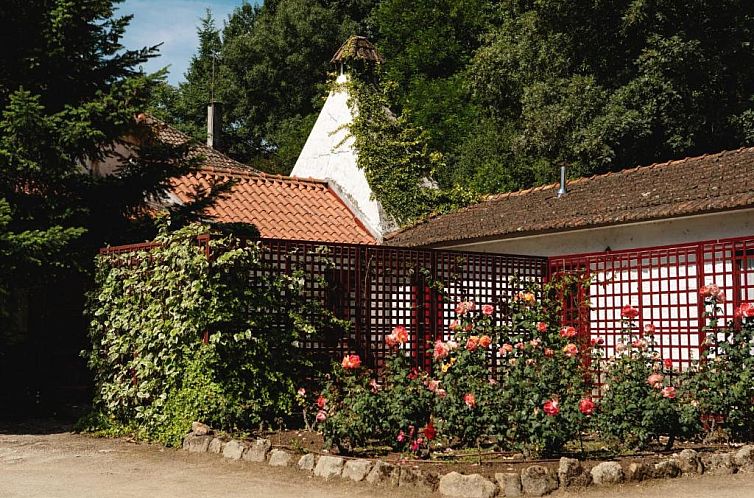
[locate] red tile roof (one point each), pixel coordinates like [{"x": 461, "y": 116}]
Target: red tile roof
[
  {"x": 691, "y": 186},
  {"x": 279, "y": 206}
]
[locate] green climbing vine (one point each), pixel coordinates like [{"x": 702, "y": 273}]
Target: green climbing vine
[
  {"x": 396, "y": 157},
  {"x": 177, "y": 336}
]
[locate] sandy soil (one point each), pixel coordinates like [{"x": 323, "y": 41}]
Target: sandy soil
[{"x": 62, "y": 464}]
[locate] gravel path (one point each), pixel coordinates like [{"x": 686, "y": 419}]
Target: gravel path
[{"x": 71, "y": 465}]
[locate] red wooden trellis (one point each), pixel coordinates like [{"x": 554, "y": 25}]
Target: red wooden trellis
[{"x": 378, "y": 287}]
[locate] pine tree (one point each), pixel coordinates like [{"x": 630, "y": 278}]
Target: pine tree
[{"x": 69, "y": 95}]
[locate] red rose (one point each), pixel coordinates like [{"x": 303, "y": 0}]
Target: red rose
[
  {"x": 649, "y": 329},
  {"x": 429, "y": 431},
  {"x": 470, "y": 400},
  {"x": 542, "y": 327},
  {"x": 586, "y": 406},
  {"x": 668, "y": 363},
  {"x": 552, "y": 407},
  {"x": 321, "y": 402},
  {"x": 549, "y": 353},
  {"x": 629, "y": 312},
  {"x": 746, "y": 310}
]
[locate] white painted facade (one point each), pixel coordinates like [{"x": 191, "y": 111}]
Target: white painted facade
[
  {"x": 330, "y": 155},
  {"x": 629, "y": 236}
]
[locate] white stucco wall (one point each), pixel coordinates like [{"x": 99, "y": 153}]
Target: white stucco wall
[
  {"x": 329, "y": 154},
  {"x": 631, "y": 236}
]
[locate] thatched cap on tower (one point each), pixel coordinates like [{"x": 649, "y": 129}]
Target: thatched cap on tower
[{"x": 359, "y": 48}]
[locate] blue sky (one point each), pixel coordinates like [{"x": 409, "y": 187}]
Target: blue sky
[{"x": 174, "y": 23}]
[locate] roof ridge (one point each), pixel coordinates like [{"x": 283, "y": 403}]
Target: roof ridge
[
  {"x": 253, "y": 175},
  {"x": 195, "y": 144}
]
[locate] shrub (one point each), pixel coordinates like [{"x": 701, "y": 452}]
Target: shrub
[
  {"x": 465, "y": 398},
  {"x": 149, "y": 313},
  {"x": 639, "y": 401},
  {"x": 721, "y": 385},
  {"x": 358, "y": 410},
  {"x": 541, "y": 375}
]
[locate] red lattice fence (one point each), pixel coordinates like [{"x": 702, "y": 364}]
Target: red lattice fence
[{"x": 663, "y": 283}]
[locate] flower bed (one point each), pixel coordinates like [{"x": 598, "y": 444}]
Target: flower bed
[{"x": 538, "y": 399}]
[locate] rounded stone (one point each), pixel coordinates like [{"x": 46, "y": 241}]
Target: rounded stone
[{"x": 607, "y": 473}]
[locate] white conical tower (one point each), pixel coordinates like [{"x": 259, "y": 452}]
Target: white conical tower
[{"x": 330, "y": 152}]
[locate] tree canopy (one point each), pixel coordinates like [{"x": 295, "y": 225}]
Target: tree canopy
[{"x": 504, "y": 92}]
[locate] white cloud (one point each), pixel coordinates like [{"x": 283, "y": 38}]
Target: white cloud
[{"x": 172, "y": 23}]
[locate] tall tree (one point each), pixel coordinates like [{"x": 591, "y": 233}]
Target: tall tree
[
  {"x": 606, "y": 85},
  {"x": 69, "y": 95}
]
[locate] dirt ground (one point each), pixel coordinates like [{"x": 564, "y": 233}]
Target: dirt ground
[{"x": 62, "y": 464}]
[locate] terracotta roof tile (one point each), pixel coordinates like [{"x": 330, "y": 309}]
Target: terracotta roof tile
[
  {"x": 280, "y": 207},
  {"x": 691, "y": 186}
]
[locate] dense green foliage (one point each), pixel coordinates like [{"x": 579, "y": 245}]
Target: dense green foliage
[
  {"x": 149, "y": 314},
  {"x": 69, "y": 93},
  {"x": 500, "y": 93}
]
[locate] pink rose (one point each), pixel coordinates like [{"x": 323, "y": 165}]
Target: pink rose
[
  {"x": 441, "y": 393},
  {"x": 351, "y": 361},
  {"x": 488, "y": 309},
  {"x": 470, "y": 400},
  {"x": 472, "y": 343},
  {"x": 571, "y": 350},
  {"x": 568, "y": 332},
  {"x": 505, "y": 349},
  {"x": 649, "y": 329},
  {"x": 321, "y": 416},
  {"x": 655, "y": 380},
  {"x": 301, "y": 392},
  {"x": 485, "y": 341},
  {"x": 668, "y": 392},
  {"x": 441, "y": 350},
  {"x": 549, "y": 353}
]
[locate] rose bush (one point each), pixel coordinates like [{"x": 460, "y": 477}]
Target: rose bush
[
  {"x": 541, "y": 379},
  {"x": 721, "y": 383},
  {"x": 639, "y": 402}
]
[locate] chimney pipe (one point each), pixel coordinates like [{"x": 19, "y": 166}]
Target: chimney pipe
[
  {"x": 214, "y": 124},
  {"x": 562, "y": 190}
]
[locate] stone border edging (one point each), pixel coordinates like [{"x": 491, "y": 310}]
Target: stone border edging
[{"x": 535, "y": 480}]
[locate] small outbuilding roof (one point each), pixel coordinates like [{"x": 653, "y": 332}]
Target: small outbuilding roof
[
  {"x": 692, "y": 186},
  {"x": 357, "y": 47},
  {"x": 279, "y": 206}
]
